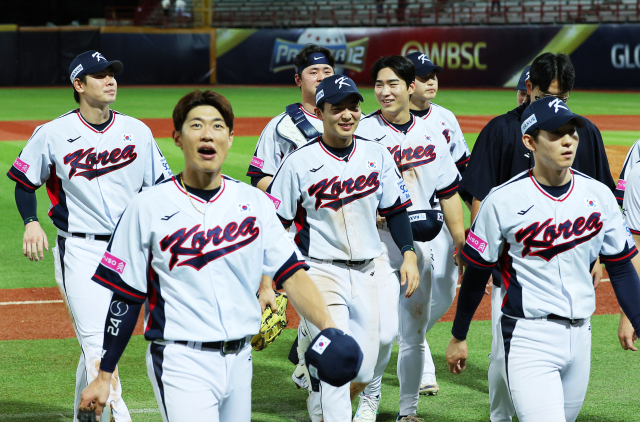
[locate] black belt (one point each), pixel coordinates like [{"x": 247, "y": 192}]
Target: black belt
[
  {"x": 352, "y": 263},
  {"x": 232, "y": 347},
  {"x": 572, "y": 321},
  {"x": 100, "y": 237}
]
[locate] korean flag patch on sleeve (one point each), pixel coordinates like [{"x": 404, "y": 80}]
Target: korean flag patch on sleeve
[{"x": 404, "y": 192}]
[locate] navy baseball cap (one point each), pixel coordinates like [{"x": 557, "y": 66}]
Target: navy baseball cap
[
  {"x": 92, "y": 62},
  {"x": 333, "y": 357},
  {"x": 426, "y": 225},
  {"x": 423, "y": 63},
  {"x": 548, "y": 113},
  {"x": 334, "y": 89},
  {"x": 522, "y": 82}
]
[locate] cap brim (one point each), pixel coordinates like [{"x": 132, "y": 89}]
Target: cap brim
[
  {"x": 115, "y": 65},
  {"x": 520, "y": 88},
  {"x": 336, "y": 98},
  {"x": 559, "y": 121},
  {"x": 425, "y": 70}
]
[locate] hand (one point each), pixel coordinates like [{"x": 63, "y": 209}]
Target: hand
[
  {"x": 409, "y": 273},
  {"x": 626, "y": 334},
  {"x": 460, "y": 263},
  {"x": 97, "y": 392},
  {"x": 596, "y": 273},
  {"x": 457, "y": 355},
  {"x": 380, "y": 220},
  {"x": 267, "y": 295},
  {"x": 33, "y": 240},
  {"x": 489, "y": 283}
]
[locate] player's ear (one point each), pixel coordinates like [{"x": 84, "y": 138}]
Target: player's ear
[
  {"x": 529, "y": 88},
  {"x": 230, "y": 139},
  {"x": 177, "y": 138},
  {"x": 77, "y": 85},
  {"x": 318, "y": 112},
  {"x": 412, "y": 87},
  {"x": 529, "y": 142},
  {"x": 296, "y": 78}
]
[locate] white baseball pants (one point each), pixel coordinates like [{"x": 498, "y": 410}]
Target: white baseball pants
[{"x": 499, "y": 397}]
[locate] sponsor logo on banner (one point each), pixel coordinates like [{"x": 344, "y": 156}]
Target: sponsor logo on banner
[
  {"x": 476, "y": 242},
  {"x": 276, "y": 201},
  {"x": 348, "y": 55},
  {"x": 321, "y": 345},
  {"x": 256, "y": 162},
  {"x": 622, "y": 184},
  {"x": 113, "y": 263},
  {"x": 21, "y": 165}
]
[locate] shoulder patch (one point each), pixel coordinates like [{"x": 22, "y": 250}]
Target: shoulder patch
[{"x": 476, "y": 242}]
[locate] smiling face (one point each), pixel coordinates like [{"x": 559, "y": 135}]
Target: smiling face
[
  {"x": 554, "y": 150},
  {"x": 392, "y": 92},
  {"x": 100, "y": 88},
  {"x": 341, "y": 119},
  {"x": 205, "y": 139},
  {"x": 310, "y": 78},
  {"x": 426, "y": 86}
]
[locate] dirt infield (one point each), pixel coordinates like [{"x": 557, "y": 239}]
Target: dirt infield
[
  {"x": 32, "y": 321},
  {"x": 252, "y": 126}
]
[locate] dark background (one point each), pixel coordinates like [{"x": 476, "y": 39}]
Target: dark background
[{"x": 58, "y": 12}]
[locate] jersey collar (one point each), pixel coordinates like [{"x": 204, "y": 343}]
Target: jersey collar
[
  {"x": 306, "y": 113},
  {"x": 197, "y": 198},
  {"x": 334, "y": 156},
  {"x": 558, "y": 199},
  {"x": 84, "y": 122},
  {"x": 392, "y": 127}
]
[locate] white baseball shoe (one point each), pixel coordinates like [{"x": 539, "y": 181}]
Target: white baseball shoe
[
  {"x": 429, "y": 388},
  {"x": 367, "y": 408}
]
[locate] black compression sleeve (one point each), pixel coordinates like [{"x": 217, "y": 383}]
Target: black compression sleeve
[
  {"x": 118, "y": 328},
  {"x": 469, "y": 298},
  {"x": 27, "y": 203},
  {"x": 400, "y": 229},
  {"x": 626, "y": 286}
]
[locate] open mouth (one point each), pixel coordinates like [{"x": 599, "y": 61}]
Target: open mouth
[
  {"x": 388, "y": 102},
  {"x": 207, "y": 152},
  {"x": 346, "y": 126}
]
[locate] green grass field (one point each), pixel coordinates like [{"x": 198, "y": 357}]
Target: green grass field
[{"x": 37, "y": 377}]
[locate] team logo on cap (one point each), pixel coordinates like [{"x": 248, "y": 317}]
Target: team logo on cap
[
  {"x": 98, "y": 56},
  {"x": 423, "y": 58},
  {"x": 76, "y": 71},
  {"x": 127, "y": 138},
  {"x": 244, "y": 208},
  {"x": 591, "y": 203},
  {"x": 528, "y": 123},
  {"x": 321, "y": 345},
  {"x": 558, "y": 104},
  {"x": 342, "y": 81}
]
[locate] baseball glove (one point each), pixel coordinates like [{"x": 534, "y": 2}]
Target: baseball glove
[
  {"x": 87, "y": 414},
  {"x": 272, "y": 323}
]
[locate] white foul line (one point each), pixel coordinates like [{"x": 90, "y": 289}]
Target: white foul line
[{"x": 31, "y": 302}]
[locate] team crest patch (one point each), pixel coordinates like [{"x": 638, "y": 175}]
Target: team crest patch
[
  {"x": 372, "y": 165},
  {"x": 127, "y": 138},
  {"x": 256, "y": 162},
  {"x": 591, "y": 203},
  {"x": 276, "y": 201},
  {"x": 404, "y": 192},
  {"x": 476, "y": 242},
  {"x": 244, "y": 208},
  {"x": 622, "y": 184},
  {"x": 113, "y": 263},
  {"x": 21, "y": 165},
  {"x": 321, "y": 345}
]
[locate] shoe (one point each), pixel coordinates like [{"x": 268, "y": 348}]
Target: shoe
[
  {"x": 409, "y": 418},
  {"x": 367, "y": 408},
  {"x": 429, "y": 388},
  {"x": 299, "y": 376}
]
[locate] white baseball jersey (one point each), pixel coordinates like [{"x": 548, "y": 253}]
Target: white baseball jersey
[
  {"x": 198, "y": 273},
  {"x": 445, "y": 122},
  {"x": 630, "y": 163},
  {"x": 631, "y": 204},
  {"x": 546, "y": 245},
  {"x": 421, "y": 155},
  {"x": 278, "y": 139},
  {"x": 335, "y": 200},
  {"x": 91, "y": 175}
]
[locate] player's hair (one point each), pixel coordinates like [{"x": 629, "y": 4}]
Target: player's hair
[
  {"x": 199, "y": 98},
  {"x": 547, "y": 67},
  {"x": 535, "y": 134},
  {"x": 307, "y": 50},
  {"x": 400, "y": 65},
  {"x": 76, "y": 95}
]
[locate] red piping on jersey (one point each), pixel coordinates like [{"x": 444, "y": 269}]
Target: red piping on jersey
[
  {"x": 53, "y": 189},
  {"x": 195, "y": 197},
  {"x": 429, "y": 113},
  {"x": 12, "y": 177},
  {"x": 506, "y": 277},
  {"x": 307, "y": 113},
  {"x": 463, "y": 161},
  {"x": 535, "y": 182},
  {"x": 153, "y": 299},
  {"x": 84, "y": 122},
  {"x": 449, "y": 190},
  {"x": 119, "y": 288},
  {"x": 337, "y": 158},
  {"x": 406, "y": 204},
  {"x": 634, "y": 231},
  {"x": 297, "y": 264},
  {"x": 391, "y": 126},
  {"x": 634, "y": 250},
  {"x": 477, "y": 263}
]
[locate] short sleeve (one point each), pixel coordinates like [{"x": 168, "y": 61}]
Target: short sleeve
[
  {"x": 395, "y": 194},
  {"x": 482, "y": 248},
  {"x": 125, "y": 265},
  {"x": 267, "y": 156},
  {"x": 482, "y": 173},
  {"x": 156, "y": 168},
  {"x": 448, "y": 176},
  {"x": 32, "y": 167},
  {"x": 284, "y": 192},
  {"x": 281, "y": 256},
  {"x": 618, "y": 245}
]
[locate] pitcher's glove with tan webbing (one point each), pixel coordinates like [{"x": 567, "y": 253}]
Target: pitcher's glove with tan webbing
[
  {"x": 87, "y": 414},
  {"x": 272, "y": 323}
]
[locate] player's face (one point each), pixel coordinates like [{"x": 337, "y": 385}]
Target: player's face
[
  {"x": 426, "y": 86},
  {"x": 311, "y": 77},
  {"x": 101, "y": 87},
  {"x": 556, "y": 149},
  {"x": 205, "y": 139},
  {"x": 392, "y": 93},
  {"x": 341, "y": 119},
  {"x": 554, "y": 91},
  {"x": 521, "y": 96}
]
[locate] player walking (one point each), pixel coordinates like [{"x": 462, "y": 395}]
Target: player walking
[
  {"x": 546, "y": 226},
  {"x": 339, "y": 181},
  {"x": 94, "y": 161},
  {"x": 422, "y": 156},
  {"x": 193, "y": 250}
]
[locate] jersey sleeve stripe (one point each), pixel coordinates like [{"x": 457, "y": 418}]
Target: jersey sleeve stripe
[
  {"x": 483, "y": 264},
  {"x": 622, "y": 256},
  {"x": 20, "y": 179},
  {"x": 449, "y": 190},
  {"x": 114, "y": 288},
  {"x": 395, "y": 208},
  {"x": 288, "y": 269},
  {"x": 463, "y": 160},
  {"x": 635, "y": 231}
]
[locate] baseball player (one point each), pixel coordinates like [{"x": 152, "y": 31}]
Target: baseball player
[
  {"x": 193, "y": 250},
  {"x": 521, "y": 88},
  {"x": 94, "y": 161},
  {"x": 633, "y": 158},
  {"x": 546, "y": 226},
  {"x": 499, "y": 155},
  {"x": 333, "y": 187},
  {"x": 444, "y": 273},
  {"x": 422, "y": 156}
]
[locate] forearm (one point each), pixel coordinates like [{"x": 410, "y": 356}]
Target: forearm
[
  {"x": 400, "y": 230},
  {"x": 263, "y": 184},
  {"x": 119, "y": 325},
  {"x": 626, "y": 286},
  {"x": 475, "y": 207},
  {"x": 307, "y": 300},
  {"x": 27, "y": 204},
  {"x": 469, "y": 298},
  {"x": 453, "y": 218}
]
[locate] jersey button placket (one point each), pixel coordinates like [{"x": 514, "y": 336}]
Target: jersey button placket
[{"x": 564, "y": 259}]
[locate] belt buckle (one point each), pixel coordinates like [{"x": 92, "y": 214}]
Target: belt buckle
[
  {"x": 227, "y": 348},
  {"x": 90, "y": 238},
  {"x": 348, "y": 263},
  {"x": 574, "y": 321}
]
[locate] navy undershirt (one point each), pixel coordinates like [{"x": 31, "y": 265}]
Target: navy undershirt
[
  {"x": 556, "y": 191},
  {"x": 342, "y": 153},
  {"x": 405, "y": 126},
  {"x": 205, "y": 194},
  {"x": 101, "y": 126},
  {"x": 421, "y": 113}
]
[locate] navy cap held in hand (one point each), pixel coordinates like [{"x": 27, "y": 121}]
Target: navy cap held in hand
[
  {"x": 423, "y": 64},
  {"x": 333, "y": 357},
  {"x": 92, "y": 62},
  {"x": 548, "y": 113},
  {"x": 334, "y": 89},
  {"x": 524, "y": 77}
]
